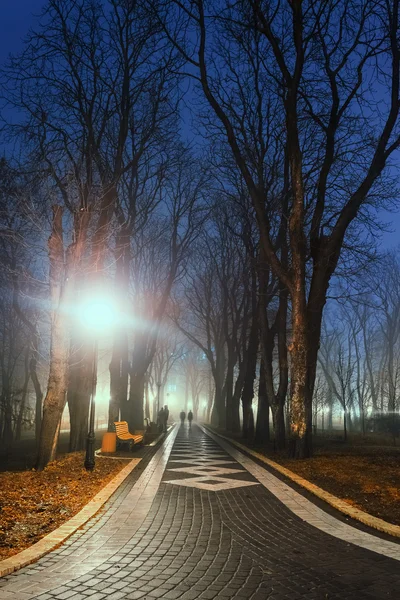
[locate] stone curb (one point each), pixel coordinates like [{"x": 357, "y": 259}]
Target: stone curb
[
  {"x": 340, "y": 505},
  {"x": 59, "y": 535}
]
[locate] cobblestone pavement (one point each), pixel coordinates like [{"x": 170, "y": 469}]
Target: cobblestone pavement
[{"x": 198, "y": 525}]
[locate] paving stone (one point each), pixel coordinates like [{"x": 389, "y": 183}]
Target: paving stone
[{"x": 192, "y": 542}]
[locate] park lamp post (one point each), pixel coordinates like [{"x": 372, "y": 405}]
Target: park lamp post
[{"x": 98, "y": 315}]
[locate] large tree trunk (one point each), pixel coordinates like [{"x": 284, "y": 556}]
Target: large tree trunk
[
  {"x": 119, "y": 378},
  {"x": 119, "y": 365},
  {"x": 78, "y": 396},
  {"x": 6, "y": 409},
  {"x": 146, "y": 399},
  {"x": 218, "y": 413},
  {"x": 62, "y": 282},
  {"x": 262, "y": 435},
  {"x": 186, "y": 394},
  {"x": 229, "y": 388},
  {"x": 218, "y": 410},
  {"x": 210, "y": 402},
  {"x": 250, "y": 375},
  {"x": 301, "y": 401},
  {"x": 38, "y": 394},
  {"x": 237, "y": 393},
  {"x": 135, "y": 413},
  {"x": 54, "y": 401},
  {"x": 196, "y": 402},
  {"x": 34, "y": 359},
  {"x": 20, "y": 417}
]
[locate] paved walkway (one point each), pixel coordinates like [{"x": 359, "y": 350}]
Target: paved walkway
[{"x": 204, "y": 521}]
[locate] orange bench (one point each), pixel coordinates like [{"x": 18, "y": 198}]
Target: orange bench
[{"x": 124, "y": 435}]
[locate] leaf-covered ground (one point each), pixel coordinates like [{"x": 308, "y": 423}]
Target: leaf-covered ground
[
  {"x": 364, "y": 471},
  {"x": 370, "y": 483},
  {"x": 32, "y": 504}
]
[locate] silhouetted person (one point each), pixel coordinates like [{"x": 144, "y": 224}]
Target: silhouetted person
[
  {"x": 190, "y": 418},
  {"x": 182, "y": 417},
  {"x": 166, "y": 416},
  {"x": 160, "y": 420}
]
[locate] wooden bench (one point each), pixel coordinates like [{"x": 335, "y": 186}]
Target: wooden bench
[{"x": 124, "y": 435}]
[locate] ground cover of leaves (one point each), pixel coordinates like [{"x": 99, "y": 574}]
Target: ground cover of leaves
[
  {"x": 32, "y": 504},
  {"x": 370, "y": 483},
  {"x": 364, "y": 471}
]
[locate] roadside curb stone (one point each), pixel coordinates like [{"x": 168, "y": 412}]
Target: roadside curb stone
[
  {"x": 62, "y": 533},
  {"x": 219, "y": 537},
  {"x": 334, "y": 501}
]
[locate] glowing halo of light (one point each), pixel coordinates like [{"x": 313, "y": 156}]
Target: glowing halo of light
[{"x": 98, "y": 314}]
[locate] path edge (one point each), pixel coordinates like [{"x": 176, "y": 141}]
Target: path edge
[
  {"x": 58, "y": 536},
  {"x": 334, "y": 501}
]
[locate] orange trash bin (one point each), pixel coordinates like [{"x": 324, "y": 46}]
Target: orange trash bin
[{"x": 109, "y": 442}]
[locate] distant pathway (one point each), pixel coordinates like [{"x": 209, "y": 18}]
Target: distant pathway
[{"x": 200, "y": 524}]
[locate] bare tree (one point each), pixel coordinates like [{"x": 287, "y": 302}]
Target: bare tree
[
  {"x": 96, "y": 88},
  {"x": 316, "y": 64}
]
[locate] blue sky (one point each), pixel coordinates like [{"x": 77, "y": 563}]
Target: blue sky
[{"x": 17, "y": 16}]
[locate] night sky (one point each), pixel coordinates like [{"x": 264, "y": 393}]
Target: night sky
[{"x": 17, "y": 16}]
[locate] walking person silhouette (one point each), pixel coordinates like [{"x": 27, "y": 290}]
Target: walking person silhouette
[
  {"x": 182, "y": 417},
  {"x": 190, "y": 418}
]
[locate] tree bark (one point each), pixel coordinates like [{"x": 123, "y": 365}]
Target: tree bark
[
  {"x": 300, "y": 442},
  {"x": 229, "y": 388},
  {"x": 63, "y": 268},
  {"x": 18, "y": 428},
  {"x": 250, "y": 375},
  {"x": 262, "y": 435},
  {"x": 135, "y": 408},
  {"x": 38, "y": 393},
  {"x": 237, "y": 393},
  {"x": 119, "y": 378},
  {"x": 59, "y": 349},
  {"x": 78, "y": 396}
]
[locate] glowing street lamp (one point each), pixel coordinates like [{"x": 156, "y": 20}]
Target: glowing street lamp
[{"x": 98, "y": 315}]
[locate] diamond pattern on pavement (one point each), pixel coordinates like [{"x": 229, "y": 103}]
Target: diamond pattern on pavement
[{"x": 186, "y": 543}]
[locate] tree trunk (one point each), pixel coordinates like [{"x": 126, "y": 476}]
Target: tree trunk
[
  {"x": 54, "y": 401},
  {"x": 210, "y": 397},
  {"x": 301, "y": 400},
  {"x": 236, "y": 399},
  {"x": 262, "y": 435},
  {"x": 186, "y": 394},
  {"x": 63, "y": 271},
  {"x": 59, "y": 349},
  {"x": 248, "y": 386},
  {"x": 218, "y": 415},
  {"x": 248, "y": 421},
  {"x": 78, "y": 405},
  {"x": 229, "y": 388},
  {"x": 135, "y": 413},
  {"x": 78, "y": 395},
  {"x": 146, "y": 397},
  {"x": 119, "y": 365},
  {"x": 214, "y": 414},
  {"x": 38, "y": 395},
  {"x": 20, "y": 417},
  {"x": 119, "y": 378},
  {"x": 7, "y": 428},
  {"x": 218, "y": 410},
  {"x": 278, "y": 417}
]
